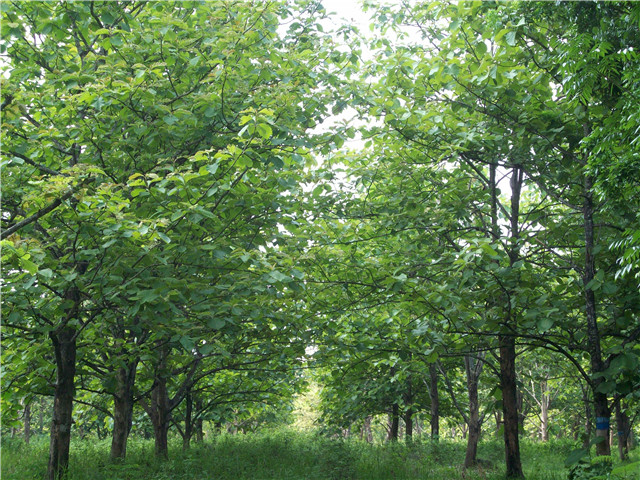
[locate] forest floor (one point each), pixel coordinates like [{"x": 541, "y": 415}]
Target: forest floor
[{"x": 287, "y": 455}]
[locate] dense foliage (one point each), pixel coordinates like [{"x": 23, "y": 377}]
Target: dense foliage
[{"x": 185, "y": 245}]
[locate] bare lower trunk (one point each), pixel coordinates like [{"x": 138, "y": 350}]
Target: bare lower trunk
[
  {"x": 188, "y": 425},
  {"x": 545, "y": 402},
  {"x": 395, "y": 423},
  {"x": 498, "y": 417},
  {"x": 123, "y": 410},
  {"x": 26, "y": 421},
  {"x": 408, "y": 424},
  {"x": 435, "y": 401},
  {"x": 622, "y": 422},
  {"x": 509, "y": 406},
  {"x": 64, "y": 344},
  {"x": 199, "y": 422},
  {"x": 587, "y": 415},
  {"x": 368, "y": 433},
  {"x": 473, "y": 369}
]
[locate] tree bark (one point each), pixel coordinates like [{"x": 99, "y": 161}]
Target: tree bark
[
  {"x": 64, "y": 344},
  {"x": 395, "y": 423},
  {"x": 26, "y": 421},
  {"x": 188, "y": 425},
  {"x": 622, "y": 422},
  {"x": 408, "y": 424},
  {"x": 123, "y": 410},
  {"x": 587, "y": 415},
  {"x": 435, "y": 401},
  {"x": 600, "y": 402},
  {"x": 473, "y": 369},
  {"x": 509, "y": 406}
]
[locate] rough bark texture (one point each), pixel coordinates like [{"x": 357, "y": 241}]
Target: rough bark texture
[
  {"x": 435, "y": 401},
  {"x": 123, "y": 410},
  {"x": 600, "y": 403},
  {"x": 509, "y": 406},
  {"x": 64, "y": 344}
]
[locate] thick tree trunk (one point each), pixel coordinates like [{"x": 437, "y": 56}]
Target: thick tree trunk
[
  {"x": 509, "y": 406},
  {"x": 395, "y": 423},
  {"x": 123, "y": 410},
  {"x": 600, "y": 402},
  {"x": 435, "y": 401},
  {"x": 64, "y": 344}
]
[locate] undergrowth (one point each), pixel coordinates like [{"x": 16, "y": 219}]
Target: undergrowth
[{"x": 285, "y": 455}]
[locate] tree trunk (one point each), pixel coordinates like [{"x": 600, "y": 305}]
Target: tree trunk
[
  {"x": 408, "y": 424},
  {"x": 545, "y": 403},
  {"x": 395, "y": 423},
  {"x": 367, "y": 430},
  {"x": 622, "y": 422},
  {"x": 64, "y": 344},
  {"x": 199, "y": 422},
  {"x": 509, "y": 406},
  {"x": 188, "y": 425},
  {"x": 41, "y": 416},
  {"x": 473, "y": 369},
  {"x": 435, "y": 401},
  {"x": 600, "y": 402},
  {"x": 123, "y": 410},
  {"x": 26, "y": 421},
  {"x": 587, "y": 415},
  {"x": 506, "y": 340}
]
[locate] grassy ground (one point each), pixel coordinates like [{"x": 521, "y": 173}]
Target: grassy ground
[{"x": 284, "y": 455}]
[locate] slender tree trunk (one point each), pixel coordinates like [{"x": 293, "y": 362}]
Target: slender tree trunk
[
  {"x": 545, "y": 403},
  {"x": 43, "y": 404},
  {"x": 435, "y": 401},
  {"x": 188, "y": 425},
  {"x": 408, "y": 424},
  {"x": 395, "y": 423},
  {"x": 64, "y": 344},
  {"x": 509, "y": 406},
  {"x": 600, "y": 402},
  {"x": 622, "y": 422},
  {"x": 199, "y": 422},
  {"x": 498, "y": 417},
  {"x": 587, "y": 415},
  {"x": 123, "y": 410},
  {"x": 26, "y": 420},
  {"x": 473, "y": 369},
  {"x": 367, "y": 430}
]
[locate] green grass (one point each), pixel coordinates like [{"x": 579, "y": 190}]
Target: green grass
[{"x": 285, "y": 455}]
